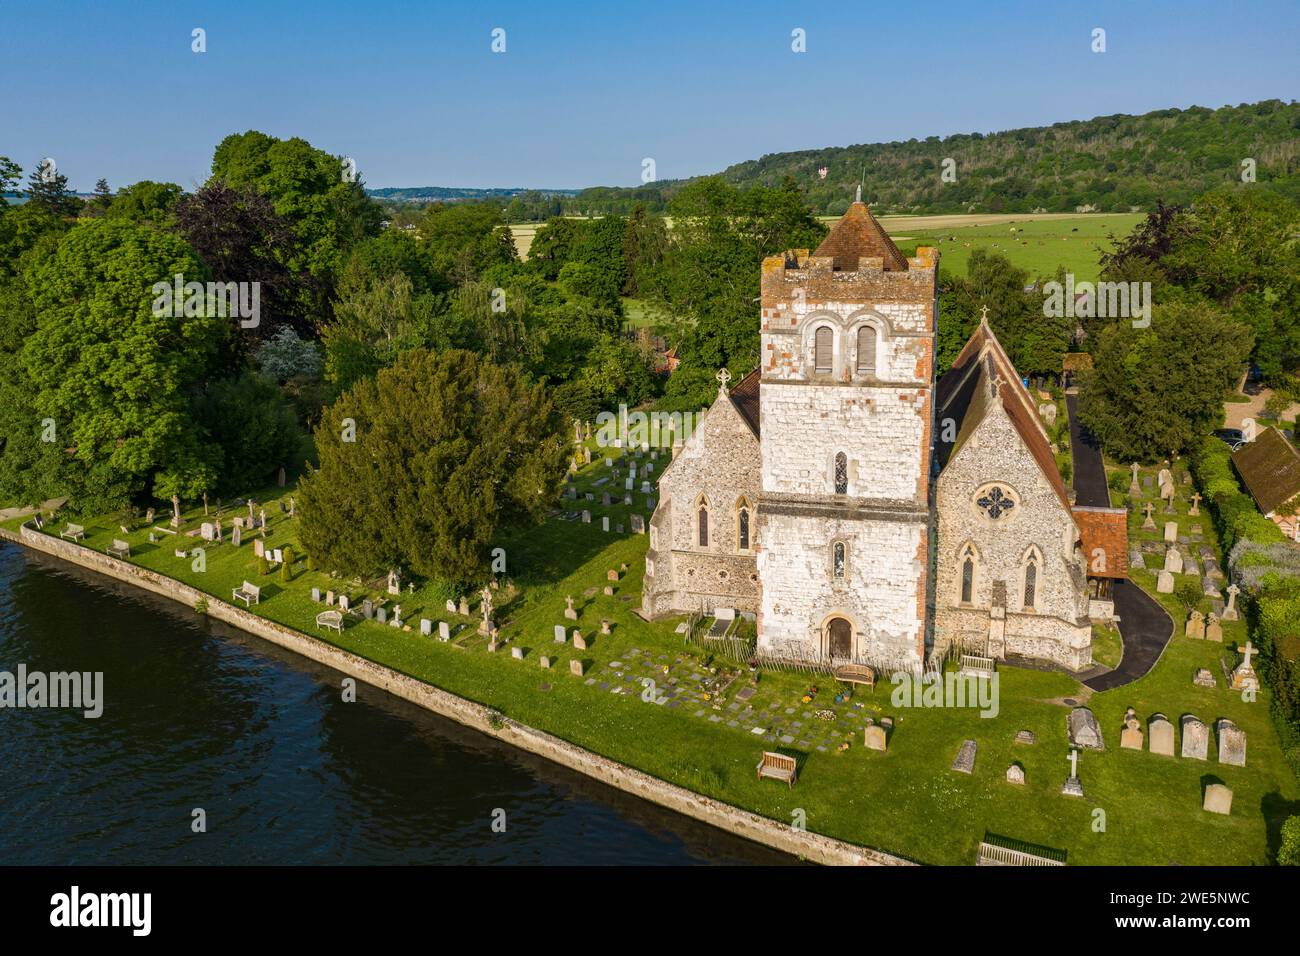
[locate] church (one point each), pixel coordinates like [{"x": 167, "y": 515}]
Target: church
[{"x": 859, "y": 510}]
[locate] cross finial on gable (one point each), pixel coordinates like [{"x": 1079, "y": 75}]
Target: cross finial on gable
[
  {"x": 984, "y": 314},
  {"x": 723, "y": 378},
  {"x": 858, "y": 196}
]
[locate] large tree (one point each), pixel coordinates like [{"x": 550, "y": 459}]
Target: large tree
[
  {"x": 1160, "y": 389},
  {"x": 421, "y": 465},
  {"x": 709, "y": 275},
  {"x": 113, "y": 372}
]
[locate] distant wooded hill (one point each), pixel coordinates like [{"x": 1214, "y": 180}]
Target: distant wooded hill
[{"x": 1115, "y": 163}]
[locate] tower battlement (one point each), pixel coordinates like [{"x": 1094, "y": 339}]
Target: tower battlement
[{"x": 797, "y": 277}]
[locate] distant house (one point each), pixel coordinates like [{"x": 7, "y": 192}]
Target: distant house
[{"x": 1270, "y": 468}]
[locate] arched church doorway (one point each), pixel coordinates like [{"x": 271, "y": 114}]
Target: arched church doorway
[{"x": 839, "y": 638}]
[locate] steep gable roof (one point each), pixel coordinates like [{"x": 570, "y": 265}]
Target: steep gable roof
[
  {"x": 745, "y": 397},
  {"x": 857, "y": 235},
  {"x": 981, "y": 376},
  {"x": 1270, "y": 467}
]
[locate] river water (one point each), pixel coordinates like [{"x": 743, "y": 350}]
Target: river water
[{"x": 200, "y": 715}]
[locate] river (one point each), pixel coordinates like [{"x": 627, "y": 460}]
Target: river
[{"x": 199, "y": 715}]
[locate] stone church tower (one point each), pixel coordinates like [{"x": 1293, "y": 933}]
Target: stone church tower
[{"x": 846, "y": 410}]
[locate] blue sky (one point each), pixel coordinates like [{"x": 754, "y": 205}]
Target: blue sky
[{"x": 585, "y": 91}]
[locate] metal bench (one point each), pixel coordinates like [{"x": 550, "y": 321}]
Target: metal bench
[
  {"x": 250, "y": 594},
  {"x": 119, "y": 549},
  {"x": 778, "y": 767},
  {"x": 73, "y": 532},
  {"x": 330, "y": 619}
]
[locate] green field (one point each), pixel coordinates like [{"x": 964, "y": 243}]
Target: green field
[
  {"x": 1038, "y": 244},
  {"x": 906, "y": 801}
]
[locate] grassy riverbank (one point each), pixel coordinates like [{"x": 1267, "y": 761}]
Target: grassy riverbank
[{"x": 697, "y": 731}]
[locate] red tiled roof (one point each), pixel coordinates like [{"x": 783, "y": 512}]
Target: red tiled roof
[
  {"x": 1104, "y": 530},
  {"x": 857, "y": 235}
]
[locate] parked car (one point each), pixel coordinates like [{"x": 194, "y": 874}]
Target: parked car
[{"x": 1234, "y": 438}]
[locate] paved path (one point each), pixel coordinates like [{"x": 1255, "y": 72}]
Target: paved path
[{"x": 1144, "y": 626}]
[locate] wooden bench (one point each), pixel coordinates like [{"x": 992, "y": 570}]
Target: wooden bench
[
  {"x": 778, "y": 767},
  {"x": 119, "y": 549},
  {"x": 856, "y": 674},
  {"x": 332, "y": 619},
  {"x": 73, "y": 532},
  {"x": 250, "y": 594}
]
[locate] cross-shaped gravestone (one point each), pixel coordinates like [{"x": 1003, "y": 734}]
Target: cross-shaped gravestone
[
  {"x": 1230, "y": 612},
  {"x": 1074, "y": 763},
  {"x": 1196, "y": 505},
  {"x": 1247, "y": 651}
]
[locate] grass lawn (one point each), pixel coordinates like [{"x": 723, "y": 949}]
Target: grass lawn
[{"x": 696, "y": 728}]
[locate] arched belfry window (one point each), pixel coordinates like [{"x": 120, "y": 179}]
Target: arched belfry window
[
  {"x": 841, "y": 474},
  {"x": 742, "y": 525},
  {"x": 824, "y": 350},
  {"x": 702, "y": 521},
  {"x": 967, "y": 575},
  {"x": 867, "y": 349}
]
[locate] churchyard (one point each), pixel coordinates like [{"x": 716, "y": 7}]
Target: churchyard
[{"x": 648, "y": 698}]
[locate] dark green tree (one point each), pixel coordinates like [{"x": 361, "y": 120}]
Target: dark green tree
[{"x": 420, "y": 466}]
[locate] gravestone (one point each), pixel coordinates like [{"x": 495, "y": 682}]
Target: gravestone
[
  {"x": 1083, "y": 729},
  {"x": 236, "y": 535},
  {"x": 1218, "y": 799},
  {"x": 444, "y": 631},
  {"x": 259, "y": 548},
  {"x": 426, "y": 627},
  {"x": 1213, "y": 629},
  {"x": 1150, "y": 523},
  {"x": 638, "y": 524},
  {"x": 1230, "y": 612},
  {"x": 329, "y": 598},
  {"x": 450, "y": 606},
  {"x": 463, "y": 608},
  {"x": 1195, "y": 627},
  {"x": 604, "y": 498},
  {"x": 569, "y": 612},
  {"x": 609, "y": 591},
  {"x": 1232, "y": 742},
  {"x": 1025, "y": 737},
  {"x": 381, "y": 615},
  {"x": 545, "y": 662},
  {"x": 368, "y": 608},
  {"x": 207, "y": 531},
  {"x": 1130, "y": 738},
  {"x": 345, "y": 602},
  {"x": 1016, "y": 774},
  {"x": 604, "y": 627},
  {"x": 586, "y": 516},
  {"x": 394, "y": 584},
  {"x": 315, "y": 595},
  {"x": 611, "y": 575},
  {"x": 1161, "y": 732},
  {"x": 1171, "y": 531},
  {"x": 964, "y": 762},
  {"x": 579, "y": 642},
  {"x": 1196, "y": 738},
  {"x": 517, "y": 653},
  {"x": 575, "y": 668},
  {"x": 1243, "y": 675},
  {"x": 1204, "y": 678},
  {"x": 1136, "y": 560},
  {"x": 873, "y": 738},
  {"x": 561, "y": 634},
  {"x": 1164, "y": 583},
  {"x": 1174, "y": 561}
]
